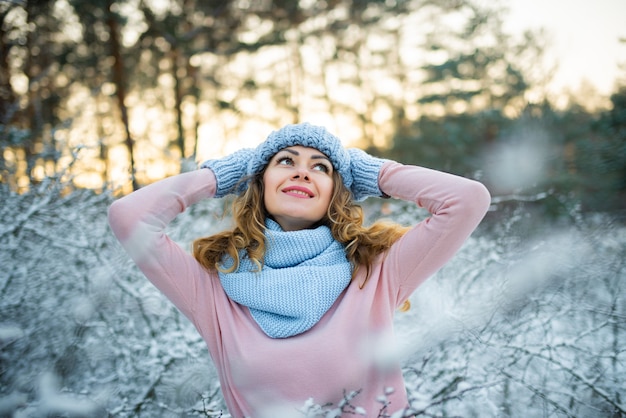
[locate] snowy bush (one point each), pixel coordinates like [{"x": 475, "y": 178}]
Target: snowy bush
[
  {"x": 527, "y": 320},
  {"x": 81, "y": 326}
]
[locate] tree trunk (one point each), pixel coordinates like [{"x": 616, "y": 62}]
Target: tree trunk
[
  {"x": 178, "y": 99},
  {"x": 120, "y": 86},
  {"x": 7, "y": 96}
]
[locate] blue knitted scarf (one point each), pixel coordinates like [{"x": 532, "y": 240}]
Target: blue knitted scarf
[{"x": 303, "y": 274}]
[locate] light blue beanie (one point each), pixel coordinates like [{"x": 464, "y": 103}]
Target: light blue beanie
[
  {"x": 358, "y": 170},
  {"x": 306, "y": 135}
]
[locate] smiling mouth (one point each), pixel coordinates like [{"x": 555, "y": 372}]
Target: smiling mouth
[{"x": 296, "y": 192}]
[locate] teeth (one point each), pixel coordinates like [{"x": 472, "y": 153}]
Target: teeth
[{"x": 299, "y": 192}]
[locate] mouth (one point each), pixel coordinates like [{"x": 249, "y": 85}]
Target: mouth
[{"x": 298, "y": 191}]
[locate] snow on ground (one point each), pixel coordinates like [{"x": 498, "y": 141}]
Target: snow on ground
[{"x": 527, "y": 320}]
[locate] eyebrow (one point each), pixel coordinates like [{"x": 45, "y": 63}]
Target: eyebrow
[{"x": 313, "y": 157}]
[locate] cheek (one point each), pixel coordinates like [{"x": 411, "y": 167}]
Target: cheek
[
  {"x": 269, "y": 192},
  {"x": 328, "y": 190},
  {"x": 266, "y": 187}
]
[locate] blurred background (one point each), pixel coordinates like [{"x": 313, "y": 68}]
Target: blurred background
[
  {"x": 101, "y": 97},
  {"x": 122, "y": 93}
]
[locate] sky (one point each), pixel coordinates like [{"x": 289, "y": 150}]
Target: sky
[{"x": 584, "y": 38}]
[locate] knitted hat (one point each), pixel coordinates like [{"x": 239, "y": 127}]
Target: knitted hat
[{"x": 306, "y": 135}]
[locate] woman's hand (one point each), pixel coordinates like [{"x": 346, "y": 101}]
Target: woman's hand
[
  {"x": 365, "y": 169},
  {"x": 230, "y": 171}
]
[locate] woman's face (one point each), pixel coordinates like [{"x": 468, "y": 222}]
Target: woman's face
[{"x": 298, "y": 184}]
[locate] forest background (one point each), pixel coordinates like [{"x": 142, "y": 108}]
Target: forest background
[{"x": 98, "y": 98}]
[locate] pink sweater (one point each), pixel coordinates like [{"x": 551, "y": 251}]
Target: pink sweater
[{"x": 259, "y": 374}]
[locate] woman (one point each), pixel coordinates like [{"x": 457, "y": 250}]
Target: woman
[{"x": 292, "y": 300}]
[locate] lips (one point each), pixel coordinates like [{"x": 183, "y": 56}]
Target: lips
[{"x": 298, "y": 191}]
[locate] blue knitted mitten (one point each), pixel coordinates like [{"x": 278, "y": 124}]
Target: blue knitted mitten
[
  {"x": 229, "y": 171},
  {"x": 365, "y": 169}
]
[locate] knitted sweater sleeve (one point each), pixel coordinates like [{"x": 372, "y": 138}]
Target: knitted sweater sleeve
[
  {"x": 456, "y": 204},
  {"x": 139, "y": 219}
]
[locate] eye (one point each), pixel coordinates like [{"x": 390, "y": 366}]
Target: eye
[
  {"x": 284, "y": 161},
  {"x": 322, "y": 167}
]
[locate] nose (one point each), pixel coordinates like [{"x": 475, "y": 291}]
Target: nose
[{"x": 301, "y": 173}]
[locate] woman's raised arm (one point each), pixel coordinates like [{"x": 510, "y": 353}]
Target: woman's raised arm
[
  {"x": 139, "y": 219},
  {"x": 456, "y": 204}
]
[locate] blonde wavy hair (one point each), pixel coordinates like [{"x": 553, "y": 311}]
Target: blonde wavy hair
[{"x": 344, "y": 218}]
